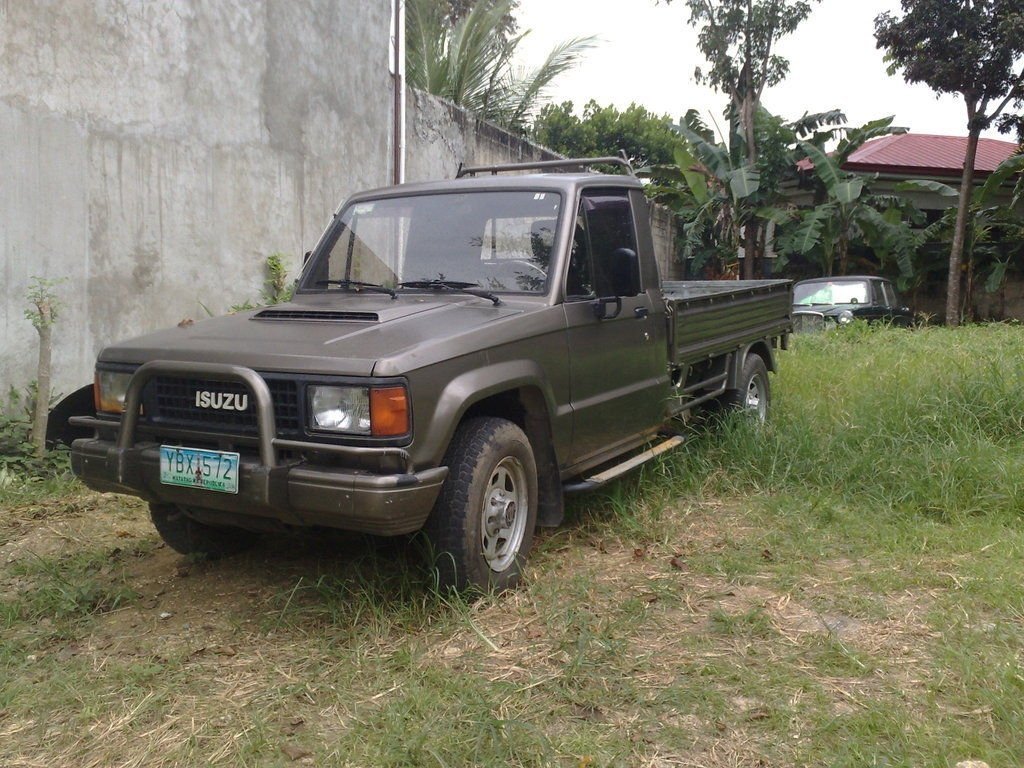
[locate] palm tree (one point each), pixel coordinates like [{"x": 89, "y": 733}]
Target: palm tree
[{"x": 471, "y": 62}]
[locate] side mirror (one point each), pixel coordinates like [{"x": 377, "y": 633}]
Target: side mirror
[
  {"x": 305, "y": 257},
  {"x": 607, "y": 307}
]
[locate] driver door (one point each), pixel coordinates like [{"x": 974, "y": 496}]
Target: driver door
[{"x": 616, "y": 361}]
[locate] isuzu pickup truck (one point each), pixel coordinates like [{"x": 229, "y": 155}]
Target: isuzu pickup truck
[{"x": 457, "y": 356}]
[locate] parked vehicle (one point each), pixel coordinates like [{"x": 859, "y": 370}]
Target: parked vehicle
[
  {"x": 457, "y": 355},
  {"x": 825, "y": 301}
]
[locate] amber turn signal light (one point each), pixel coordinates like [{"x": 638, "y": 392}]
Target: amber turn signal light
[{"x": 389, "y": 412}]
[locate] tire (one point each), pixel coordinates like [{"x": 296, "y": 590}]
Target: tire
[
  {"x": 481, "y": 528},
  {"x": 753, "y": 392},
  {"x": 190, "y": 537}
]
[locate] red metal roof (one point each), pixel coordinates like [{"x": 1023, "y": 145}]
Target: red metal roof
[{"x": 927, "y": 155}]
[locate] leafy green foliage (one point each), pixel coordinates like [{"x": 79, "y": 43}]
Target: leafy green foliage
[
  {"x": 42, "y": 293},
  {"x": 994, "y": 237},
  {"x": 460, "y": 9},
  {"x": 716, "y": 194},
  {"x": 710, "y": 192},
  {"x": 646, "y": 138},
  {"x": 927, "y": 185},
  {"x": 738, "y": 39},
  {"x": 973, "y": 49},
  {"x": 276, "y": 290},
  {"x": 470, "y": 61},
  {"x": 19, "y": 460}
]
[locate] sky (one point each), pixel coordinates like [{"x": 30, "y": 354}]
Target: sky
[{"x": 647, "y": 53}]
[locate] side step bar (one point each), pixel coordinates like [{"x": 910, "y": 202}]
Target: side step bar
[{"x": 618, "y": 470}]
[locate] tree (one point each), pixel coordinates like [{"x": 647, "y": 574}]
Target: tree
[
  {"x": 605, "y": 131},
  {"x": 966, "y": 47},
  {"x": 42, "y": 315},
  {"x": 713, "y": 194},
  {"x": 995, "y": 231},
  {"x": 717, "y": 194},
  {"x": 738, "y": 39},
  {"x": 469, "y": 62},
  {"x": 456, "y": 10}
]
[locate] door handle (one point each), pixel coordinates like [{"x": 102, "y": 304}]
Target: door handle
[{"x": 640, "y": 313}]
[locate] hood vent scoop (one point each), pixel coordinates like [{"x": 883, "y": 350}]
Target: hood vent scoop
[{"x": 317, "y": 316}]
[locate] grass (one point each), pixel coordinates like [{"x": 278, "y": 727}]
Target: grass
[{"x": 839, "y": 587}]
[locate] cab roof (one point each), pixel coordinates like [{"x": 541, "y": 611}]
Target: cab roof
[{"x": 566, "y": 183}]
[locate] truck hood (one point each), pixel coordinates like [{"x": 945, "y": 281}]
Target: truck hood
[{"x": 317, "y": 334}]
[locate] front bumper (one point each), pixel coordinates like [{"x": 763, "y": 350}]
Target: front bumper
[{"x": 295, "y": 493}]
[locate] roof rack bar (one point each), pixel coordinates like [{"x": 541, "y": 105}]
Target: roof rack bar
[{"x": 578, "y": 162}]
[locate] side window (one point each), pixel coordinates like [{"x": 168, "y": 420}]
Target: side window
[
  {"x": 579, "y": 282},
  {"x": 603, "y": 260},
  {"x": 609, "y": 229},
  {"x": 890, "y": 295}
]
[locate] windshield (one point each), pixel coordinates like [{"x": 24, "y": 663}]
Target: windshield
[
  {"x": 828, "y": 292},
  {"x": 498, "y": 241}
]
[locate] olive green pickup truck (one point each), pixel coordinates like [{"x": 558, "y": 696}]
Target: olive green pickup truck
[{"x": 457, "y": 356}]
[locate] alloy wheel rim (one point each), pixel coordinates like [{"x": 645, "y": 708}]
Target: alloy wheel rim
[
  {"x": 755, "y": 400},
  {"x": 504, "y": 514}
]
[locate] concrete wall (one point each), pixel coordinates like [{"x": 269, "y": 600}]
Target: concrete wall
[
  {"x": 154, "y": 153},
  {"x": 440, "y": 135},
  {"x": 663, "y": 231}
]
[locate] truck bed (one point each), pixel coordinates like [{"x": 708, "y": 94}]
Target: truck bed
[{"x": 709, "y": 317}]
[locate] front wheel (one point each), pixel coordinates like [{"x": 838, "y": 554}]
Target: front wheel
[
  {"x": 752, "y": 393},
  {"x": 481, "y": 528}
]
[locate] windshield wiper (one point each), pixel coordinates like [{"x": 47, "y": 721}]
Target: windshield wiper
[
  {"x": 452, "y": 285},
  {"x": 359, "y": 285}
]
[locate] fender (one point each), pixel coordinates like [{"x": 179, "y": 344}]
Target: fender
[
  {"x": 761, "y": 347},
  {"x": 469, "y": 388},
  {"x": 78, "y": 403}
]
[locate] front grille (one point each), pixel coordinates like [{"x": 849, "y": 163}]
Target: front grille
[
  {"x": 171, "y": 401},
  {"x": 808, "y": 322}
]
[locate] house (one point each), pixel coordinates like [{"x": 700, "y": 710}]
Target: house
[
  {"x": 925, "y": 156},
  {"x": 890, "y": 160}
]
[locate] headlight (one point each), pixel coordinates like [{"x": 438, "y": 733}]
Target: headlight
[
  {"x": 376, "y": 411},
  {"x": 845, "y": 317},
  {"x": 340, "y": 409},
  {"x": 109, "y": 391}
]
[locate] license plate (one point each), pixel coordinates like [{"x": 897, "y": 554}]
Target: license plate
[{"x": 198, "y": 468}]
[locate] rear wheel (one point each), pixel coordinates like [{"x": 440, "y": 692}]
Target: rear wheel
[
  {"x": 481, "y": 528},
  {"x": 190, "y": 537},
  {"x": 752, "y": 393}
]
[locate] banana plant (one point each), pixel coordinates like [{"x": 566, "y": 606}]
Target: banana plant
[
  {"x": 718, "y": 196},
  {"x": 710, "y": 193},
  {"x": 847, "y": 213}
]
